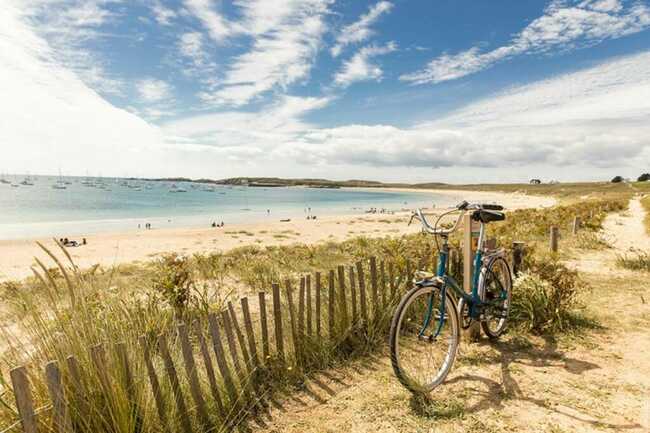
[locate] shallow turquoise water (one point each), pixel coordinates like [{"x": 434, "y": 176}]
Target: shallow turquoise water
[{"x": 112, "y": 205}]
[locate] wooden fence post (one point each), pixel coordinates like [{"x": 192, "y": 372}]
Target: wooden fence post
[
  {"x": 576, "y": 225},
  {"x": 382, "y": 279},
  {"x": 555, "y": 234},
  {"x": 309, "y": 305},
  {"x": 373, "y": 285},
  {"x": 24, "y": 401},
  {"x": 250, "y": 334},
  {"x": 219, "y": 354},
  {"x": 362, "y": 292},
  {"x": 318, "y": 305},
  {"x": 209, "y": 369},
  {"x": 176, "y": 387},
  {"x": 78, "y": 388},
  {"x": 240, "y": 339},
  {"x": 234, "y": 353},
  {"x": 120, "y": 349},
  {"x": 517, "y": 257},
  {"x": 391, "y": 280},
  {"x": 277, "y": 321},
  {"x": 301, "y": 310},
  {"x": 331, "y": 300},
  {"x": 155, "y": 384},
  {"x": 60, "y": 418},
  {"x": 292, "y": 321},
  {"x": 192, "y": 376},
  {"x": 353, "y": 294},
  {"x": 264, "y": 325},
  {"x": 343, "y": 302}
]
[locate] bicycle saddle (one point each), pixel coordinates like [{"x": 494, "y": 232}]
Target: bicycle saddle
[{"x": 486, "y": 216}]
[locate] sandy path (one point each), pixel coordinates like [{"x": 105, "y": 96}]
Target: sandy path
[
  {"x": 107, "y": 249},
  {"x": 598, "y": 382}
]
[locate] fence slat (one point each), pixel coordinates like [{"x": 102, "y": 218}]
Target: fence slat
[
  {"x": 292, "y": 321},
  {"x": 264, "y": 325},
  {"x": 331, "y": 299},
  {"x": 209, "y": 369},
  {"x": 98, "y": 357},
  {"x": 170, "y": 369},
  {"x": 277, "y": 321},
  {"x": 308, "y": 301},
  {"x": 362, "y": 292},
  {"x": 155, "y": 384},
  {"x": 232, "y": 348},
  {"x": 192, "y": 376},
  {"x": 60, "y": 419},
  {"x": 555, "y": 235},
  {"x": 77, "y": 385},
  {"x": 343, "y": 302},
  {"x": 219, "y": 354},
  {"x": 373, "y": 285},
  {"x": 240, "y": 338},
  {"x": 24, "y": 400},
  {"x": 391, "y": 280},
  {"x": 301, "y": 311},
  {"x": 382, "y": 280},
  {"x": 120, "y": 349},
  {"x": 250, "y": 334},
  {"x": 318, "y": 305},
  {"x": 353, "y": 294}
]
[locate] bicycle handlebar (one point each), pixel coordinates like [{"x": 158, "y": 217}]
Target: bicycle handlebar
[{"x": 463, "y": 207}]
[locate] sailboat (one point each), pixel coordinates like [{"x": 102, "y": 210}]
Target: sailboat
[
  {"x": 27, "y": 181},
  {"x": 60, "y": 184}
]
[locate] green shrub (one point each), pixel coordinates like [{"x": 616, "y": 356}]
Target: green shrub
[
  {"x": 173, "y": 281},
  {"x": 546, "y": 296}
]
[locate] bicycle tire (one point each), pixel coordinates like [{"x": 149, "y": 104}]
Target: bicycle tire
[
  {"x": 487, "y": 273},
  {"x": 395, "y": 339}
]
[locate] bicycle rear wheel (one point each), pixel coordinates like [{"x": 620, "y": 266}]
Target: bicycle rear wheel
[
  {"x": 495, "y": 288},
  {"x": 422, "y": 354}
]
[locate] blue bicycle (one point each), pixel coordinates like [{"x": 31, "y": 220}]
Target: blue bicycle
[{"x": 425, "y": 330}]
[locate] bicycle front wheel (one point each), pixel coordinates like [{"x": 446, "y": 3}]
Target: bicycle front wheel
[{"x": 423, "y": 351}]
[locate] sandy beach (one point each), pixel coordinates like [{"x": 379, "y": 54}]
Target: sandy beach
[{"x": 106, "y": 249}]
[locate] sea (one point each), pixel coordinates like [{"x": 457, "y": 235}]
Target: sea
[{"x": 44, "y": 206}]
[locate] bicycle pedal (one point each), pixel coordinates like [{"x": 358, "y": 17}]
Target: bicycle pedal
[{"x": 427, "y": 338}]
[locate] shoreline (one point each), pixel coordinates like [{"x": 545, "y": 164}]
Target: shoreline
[{"x": 113, "y": 248}]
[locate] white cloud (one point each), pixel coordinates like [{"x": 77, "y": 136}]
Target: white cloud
[
  {"x": 68, "y": 25},
  {"x": 561, "y": 27},
  {"x": 163, "y": 14},
  {"x": 360, "y": 67},
  {"x": 219, "y": 28},
  {"x": 281, "y": 55},
  {"x": 360, "y": 30},
  {"x": 153, "y": 90},
  {"x": 50, "y": 118},
  {"x": 599, "y": 117}
]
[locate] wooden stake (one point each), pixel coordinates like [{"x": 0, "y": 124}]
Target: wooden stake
[
  {"x": 24, "y": 401},
  {"x": 209, "y": 369},
  {"x": 264, "y": 326},
  {"x": 250, "y": 334},
  {"x": 373, "y": 285},
  {"x": 219, "y": 354},
  {"x": 343, "y": 302},
  {"x": 176, "y": 387},
  {"x": 277, "y": 321},
  {"x": 309, "y": 309},
  {"x": 318, "y": 305},
  {"x": 353, "y": 294},
  {"x": 331, "y": 301},
  {"x": 362, "y": 292},
  {"x": 192, "y": 376},
  {"x": 155, "y": 385},
  {"x": 554, "y": 236}
]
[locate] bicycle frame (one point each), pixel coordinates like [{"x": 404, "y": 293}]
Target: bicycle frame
[{"x": 473, "y": 300}]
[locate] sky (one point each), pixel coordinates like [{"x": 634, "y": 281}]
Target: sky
[{"x": 403, "y": 90}]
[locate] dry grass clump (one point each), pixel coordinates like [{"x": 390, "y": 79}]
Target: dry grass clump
[
  {"x": 636, "y": 261},
  {"x": 546, "y": 297}
]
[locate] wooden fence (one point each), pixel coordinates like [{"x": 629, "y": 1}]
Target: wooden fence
[{"x": 219, "y": 370}]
